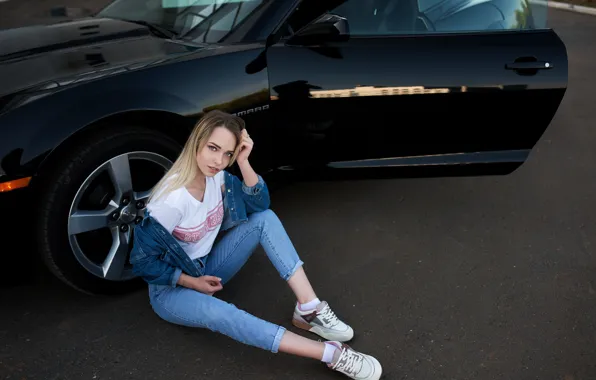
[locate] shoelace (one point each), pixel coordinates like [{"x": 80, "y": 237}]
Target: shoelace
[
  {"x": 351, "y": 363},
  {"x": 329, "y": 316}
]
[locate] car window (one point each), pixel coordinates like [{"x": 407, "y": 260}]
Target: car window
[
  {"x": 219, "y": 27},
  {"x": 207, "y": 21},
  {"x": 394, "y": 17},
  {"x": 307, "y": 11},
  {"x": 426, "y": 4}
]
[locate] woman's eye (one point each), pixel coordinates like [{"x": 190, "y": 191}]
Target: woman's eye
[{"x": 213, "y": 148}]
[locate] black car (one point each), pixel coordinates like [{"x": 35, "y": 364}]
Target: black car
[{"x": 93, "y": 111}]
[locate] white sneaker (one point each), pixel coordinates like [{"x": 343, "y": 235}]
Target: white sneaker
[
  {"x": 323, "y": 322},
  {"x": 353, "y": 364}
]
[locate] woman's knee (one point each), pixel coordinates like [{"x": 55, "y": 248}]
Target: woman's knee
[{"x": 263, "y": 216}]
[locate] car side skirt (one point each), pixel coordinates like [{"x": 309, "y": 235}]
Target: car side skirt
[{"x": 509, "y": 156}]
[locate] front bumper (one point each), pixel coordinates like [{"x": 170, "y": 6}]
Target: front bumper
[{"x": 14, "y": 201}]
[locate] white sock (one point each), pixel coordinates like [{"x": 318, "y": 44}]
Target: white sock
[
  {"x": 329, "y": 352},
  {"x": 310, "y": 305}
]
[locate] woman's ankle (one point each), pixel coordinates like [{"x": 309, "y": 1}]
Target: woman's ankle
[
  {"x": 310, "y": 305},
  {"x": 329, "y": 355},
  {"x": 295, "y": 344}
]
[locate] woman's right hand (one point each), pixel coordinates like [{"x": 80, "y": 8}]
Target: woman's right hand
[{"x": 207, "y": 284}]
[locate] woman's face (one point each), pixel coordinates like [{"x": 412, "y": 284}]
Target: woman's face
[{"x": 217, "y": 152}]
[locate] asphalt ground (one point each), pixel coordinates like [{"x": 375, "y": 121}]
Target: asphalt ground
[{"x": 443, "y": 278}]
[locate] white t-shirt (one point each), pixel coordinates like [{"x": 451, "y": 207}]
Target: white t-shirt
[{"x": 194, "y": 224}]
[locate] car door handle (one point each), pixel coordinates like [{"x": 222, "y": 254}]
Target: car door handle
[{"x": 534, "y": 65}]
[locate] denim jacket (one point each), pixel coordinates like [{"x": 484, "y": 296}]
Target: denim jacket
[{"x": 158, "y": 258}]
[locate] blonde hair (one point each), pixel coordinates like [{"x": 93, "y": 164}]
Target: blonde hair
[{"x": 185, "y": 169}]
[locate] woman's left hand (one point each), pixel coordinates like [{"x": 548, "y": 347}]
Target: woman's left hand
[{"x": 245, "y": 147}]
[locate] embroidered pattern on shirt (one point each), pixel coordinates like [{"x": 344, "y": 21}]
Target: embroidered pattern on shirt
[{"x": 194, "y": 234}]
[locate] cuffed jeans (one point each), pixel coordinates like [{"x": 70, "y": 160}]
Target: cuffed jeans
[{"x": 191, "y": 308}]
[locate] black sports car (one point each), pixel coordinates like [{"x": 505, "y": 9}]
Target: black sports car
[{"x": 93, "y": 111}]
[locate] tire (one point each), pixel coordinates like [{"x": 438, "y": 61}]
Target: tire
[{"x": 81, "y": 183}]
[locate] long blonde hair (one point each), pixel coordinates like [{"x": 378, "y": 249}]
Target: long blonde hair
[{"x": 185, "y": 169}]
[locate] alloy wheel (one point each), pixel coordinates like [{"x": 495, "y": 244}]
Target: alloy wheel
[{"x": 107, "y": 206}]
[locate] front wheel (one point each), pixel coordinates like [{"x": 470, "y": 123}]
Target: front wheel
[{"x": 91, "y": 200}]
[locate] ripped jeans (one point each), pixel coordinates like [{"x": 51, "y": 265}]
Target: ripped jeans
[{"x": 191, "y": 308}]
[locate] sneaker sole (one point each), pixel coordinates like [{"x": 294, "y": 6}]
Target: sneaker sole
[{"x": 340, "y": 337}]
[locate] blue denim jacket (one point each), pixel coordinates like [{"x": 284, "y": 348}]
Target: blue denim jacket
[{"x": 157, "y": 257}]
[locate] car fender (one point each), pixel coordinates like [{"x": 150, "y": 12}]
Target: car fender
[
  {"x": 93, "y": 108},
  {"x": 37, "y": 137}
]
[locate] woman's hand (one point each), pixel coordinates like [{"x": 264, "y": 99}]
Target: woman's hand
[
  {"x": 245, "y": 148},
  {"x": 249, "y": 175},
  {"x": 204, "y": 284},
  {"x": 208, "y": 284}
]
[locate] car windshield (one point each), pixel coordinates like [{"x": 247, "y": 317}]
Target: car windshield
[{"x": 208, "y": 21}]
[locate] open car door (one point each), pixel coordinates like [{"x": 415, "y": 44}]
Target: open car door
[{"x": 413, "y": 87}]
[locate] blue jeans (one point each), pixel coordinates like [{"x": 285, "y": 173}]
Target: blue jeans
[{"x": 191, "y": 308}]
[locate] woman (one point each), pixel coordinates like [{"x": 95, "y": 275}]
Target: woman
[{"x": 181, "y": 252}]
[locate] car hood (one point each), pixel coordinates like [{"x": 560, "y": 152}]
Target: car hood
[{"x": 42, "y": 57}]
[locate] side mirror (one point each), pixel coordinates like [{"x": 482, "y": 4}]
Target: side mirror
[{"x": 327, "y": 28}]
